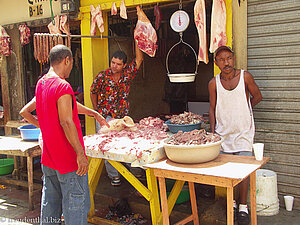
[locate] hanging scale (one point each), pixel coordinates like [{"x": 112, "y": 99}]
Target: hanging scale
[{"x": 179, "y": 22}]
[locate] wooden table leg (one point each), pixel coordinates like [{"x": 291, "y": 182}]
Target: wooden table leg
[
  {"x": 253, "y": 198},
  {"x": 30, "y": 181},
  {"x": 230, "y": 219},
  {"x": 163, "y": 200},
  {"x": 194, "y": 203}
]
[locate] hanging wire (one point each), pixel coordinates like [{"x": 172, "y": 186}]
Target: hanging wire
[
  {"x": 52, "y": 15},
  {"x": 180, "y": 4}
]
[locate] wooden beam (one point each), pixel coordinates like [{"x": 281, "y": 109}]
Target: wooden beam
[
  {"x": 106, "y": 4},
  {"x": 5, "y": 92},
  {"x": 239, "y": 32}
]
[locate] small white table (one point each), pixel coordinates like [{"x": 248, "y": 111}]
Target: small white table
[{"x": 225, "y": 171}]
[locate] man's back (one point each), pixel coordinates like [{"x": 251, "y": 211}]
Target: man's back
[{"x": 57, "y": 154}]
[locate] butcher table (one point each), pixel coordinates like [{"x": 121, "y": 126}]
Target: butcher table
[
  {"x": 15, "y": 146},
  {"x": 96, "y": 164},
  {"x": 225, "y": 171}
]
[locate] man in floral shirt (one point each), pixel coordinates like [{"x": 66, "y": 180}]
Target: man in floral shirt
[{"x": 110, "y": 90}]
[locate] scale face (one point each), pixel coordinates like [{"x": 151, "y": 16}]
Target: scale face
[{"x": 179, "y": 21}]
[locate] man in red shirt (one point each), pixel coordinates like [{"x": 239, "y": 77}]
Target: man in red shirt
[
  {"x": 110, "y": 90},
  {"x": 64, "y": 163}
]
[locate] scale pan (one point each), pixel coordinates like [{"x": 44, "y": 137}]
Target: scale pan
[{"x": 182, "y": 77}]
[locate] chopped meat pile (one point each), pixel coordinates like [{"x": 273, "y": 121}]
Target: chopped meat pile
[
  {"x": 152, "y": 122},
  {"x": 185, "y": 118},
  {"x": 195, "y": 137},
  {"x": 144, "y": 138}
]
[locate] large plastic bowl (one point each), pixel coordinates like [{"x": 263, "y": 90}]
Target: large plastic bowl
[
  {"x": 6, "y": 166},
  {"x": 174, "y": 128},
  {"x": 29, "y": 132},
  {"x": 193, "y": 153}
]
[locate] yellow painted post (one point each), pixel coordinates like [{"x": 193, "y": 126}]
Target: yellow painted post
[
  {"x": 220, "y": 191},
  {"x": 95, "y": 170},
  {"x": 154, "y": 200},
  {"x": 95, "y": 57},
  {"x": 228, "y": 29}
]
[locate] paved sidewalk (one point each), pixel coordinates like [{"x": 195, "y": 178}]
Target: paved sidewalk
[{"x": 14, "y": 208}]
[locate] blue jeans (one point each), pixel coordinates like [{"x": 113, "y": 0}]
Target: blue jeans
[
  {"x": 111, "y": 171},
  {"x": 66, "y": 194}
]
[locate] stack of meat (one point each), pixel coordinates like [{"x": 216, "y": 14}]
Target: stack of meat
[
  {"x": 185, "y": 118},
  {"x": 148, "y": 135},
  {"x": 195, "y": 137}
]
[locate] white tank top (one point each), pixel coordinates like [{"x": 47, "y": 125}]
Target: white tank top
[{"x": 234, "y": 118}]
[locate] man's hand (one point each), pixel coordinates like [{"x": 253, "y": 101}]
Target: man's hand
[
  {"x": 101, "y": 120},
  {"x": 83, "y": 165}
]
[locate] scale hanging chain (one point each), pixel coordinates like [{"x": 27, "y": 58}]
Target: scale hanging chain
[{"x": 180, "y": 4}]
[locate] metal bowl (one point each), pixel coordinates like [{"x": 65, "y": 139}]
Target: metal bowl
[
  {"x": 193, "y": 153},
  {"x": 182, "y": 77},
  {"x": 174, "y": 128}
]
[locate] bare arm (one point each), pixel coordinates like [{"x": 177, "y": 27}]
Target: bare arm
[
  {"x": 64, "y": 105},
  {"x": 27, "y": 110},
  {"x": 253, "y": 89},
  {"x": 138, "y": 55},
  {"x": 87, "y": 111},
  {"x": 212, "y": 104},
  {"x": 94, "y": 99}
]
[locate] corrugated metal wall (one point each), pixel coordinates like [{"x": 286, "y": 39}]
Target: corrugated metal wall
[{"x": 274, "y": 61}]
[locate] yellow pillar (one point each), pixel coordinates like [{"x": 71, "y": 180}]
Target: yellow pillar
[
  {"x": 95, "y": 57},
  {"x": 228, "y": 29}
]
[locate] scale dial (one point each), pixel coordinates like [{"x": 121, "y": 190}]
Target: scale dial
[{"x": 179, "y": 21}]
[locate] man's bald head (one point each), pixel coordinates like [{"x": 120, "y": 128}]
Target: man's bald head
[{"x": 58, "y": 53}]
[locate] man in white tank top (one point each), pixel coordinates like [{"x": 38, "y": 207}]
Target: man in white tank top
[{"x": 232, "y": 94}]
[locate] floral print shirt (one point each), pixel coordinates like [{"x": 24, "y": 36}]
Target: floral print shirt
[{"x": 113, "y": 95}]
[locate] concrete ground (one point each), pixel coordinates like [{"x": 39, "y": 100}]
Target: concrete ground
[{"x": 14, "y": 208}]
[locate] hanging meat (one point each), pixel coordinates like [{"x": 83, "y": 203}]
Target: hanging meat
[
  {"x": 34, "y": 47},
  {"x": 96, "y": 20},
  {"x": 64, "y": 25},
  {"x": 123, "y": 10},
  {"x": 158, "y": 17},
  {"x": 218, "y": 25},
  {"x": 50, "y": 42},
  {"x": 144, "y": 34},
  {"x": 54, "y": 28},
  {"x": 200, "y": 21},
  {"x": 114, "y": 9},
  {"x": 5, "y": 42},
  {"x": 24, "y": 34}
]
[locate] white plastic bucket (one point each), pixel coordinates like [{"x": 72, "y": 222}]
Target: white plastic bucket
[{"x": 267, "y": 202}]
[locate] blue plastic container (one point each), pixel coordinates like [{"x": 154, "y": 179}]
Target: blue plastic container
[
  {"x": 174, "y": 128},
  {"x": 29, "y": 132}
]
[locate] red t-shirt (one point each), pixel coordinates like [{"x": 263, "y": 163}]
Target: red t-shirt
[{"x": 58, "y": 153}]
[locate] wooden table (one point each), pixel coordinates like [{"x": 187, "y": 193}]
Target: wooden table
[
  {"x": 15, "y": 146},
  {"x": 225, "y": 171}
]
